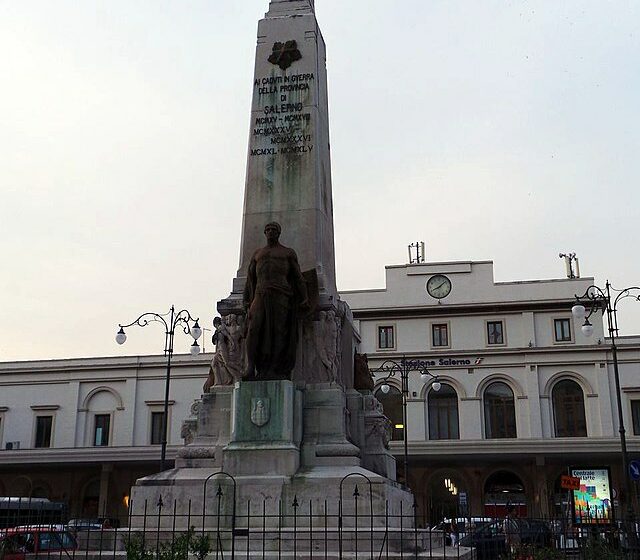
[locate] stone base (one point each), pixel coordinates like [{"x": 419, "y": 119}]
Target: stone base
[
  {"x": 207, "y": 431},
  {"x": 308, "y": 496},
  {"x": 269, "y": 460}
]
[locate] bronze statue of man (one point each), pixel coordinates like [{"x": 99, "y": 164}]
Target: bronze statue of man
[{"x": 274, "y": 294}]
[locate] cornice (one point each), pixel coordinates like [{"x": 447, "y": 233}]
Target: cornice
[
  {"x": 453, "y": 310},
  {"x": 69, "y": 365},
  {"x": 520, "y": 446},
  {"x": 45, "y": 407},
  {"x": 74, "y": 455},
  {"x": 505, "y": 357}
]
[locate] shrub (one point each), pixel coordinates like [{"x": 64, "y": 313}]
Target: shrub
[
  {"x": 597, "y": 549},
  {"x": 201, "y": 546},
  {"x": 136, "y": 550}
]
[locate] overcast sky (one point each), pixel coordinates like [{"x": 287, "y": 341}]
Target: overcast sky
[{"x": 494, "y": 130}]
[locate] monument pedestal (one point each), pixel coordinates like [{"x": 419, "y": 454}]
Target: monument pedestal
[
  {"x": 267, "y": 429},
  {"x": 268, "y": 439}
]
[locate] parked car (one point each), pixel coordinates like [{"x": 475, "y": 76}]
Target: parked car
[
  {"x": 628, "y": 536},
  {"x": 93, "y": 524},
  {"x": 16, "y": 542},
  {"x": 458, "y": 528},
  {"x": 490, "y": 540}
]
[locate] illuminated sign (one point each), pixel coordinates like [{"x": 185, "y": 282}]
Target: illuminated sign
[
  {"x": 569, "y": 482},
  {"x": 592, "y": 500}
]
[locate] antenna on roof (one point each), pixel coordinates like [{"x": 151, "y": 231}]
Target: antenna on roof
[
  {"x": 570, "y": 260},
  {"x": 417, "y": 252}
]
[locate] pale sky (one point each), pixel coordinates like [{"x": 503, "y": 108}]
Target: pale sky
[{"x": 501, "y": 130}]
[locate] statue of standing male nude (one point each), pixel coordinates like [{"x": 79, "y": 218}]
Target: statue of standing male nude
[{"x": 274, "y": 296}]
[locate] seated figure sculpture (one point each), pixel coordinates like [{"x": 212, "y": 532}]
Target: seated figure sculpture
[{"x": 274, "y": 296}]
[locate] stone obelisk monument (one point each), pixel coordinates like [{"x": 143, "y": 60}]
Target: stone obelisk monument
[
  {"x": 288, "y": 166},
  {"x": 284, "y": 412}
]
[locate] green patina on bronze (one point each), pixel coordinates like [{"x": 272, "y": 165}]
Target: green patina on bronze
[{"x": 274, "y": 424}]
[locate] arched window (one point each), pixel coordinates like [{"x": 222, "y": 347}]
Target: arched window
[
  {"x": 443, "y": 413},
  {"x": 499, "y": 411},
  {"x": 392, "y": 404},
  {"x": 21, "y": 487},
  {"x": 568, "y": 409},
  {"x": 101, "y": 404},
  {"x": 41, "y": 490}
]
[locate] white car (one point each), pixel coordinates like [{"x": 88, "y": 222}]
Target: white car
[{"x": 458, "y": 528}]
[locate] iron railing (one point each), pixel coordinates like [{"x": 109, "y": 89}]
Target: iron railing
[{"x": 349, "y": 527}]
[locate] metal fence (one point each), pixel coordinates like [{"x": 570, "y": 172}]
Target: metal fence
[{"x": 310, "y": 529}]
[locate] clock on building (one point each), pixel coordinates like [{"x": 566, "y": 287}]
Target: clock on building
[{"x": 439, "y": 286}]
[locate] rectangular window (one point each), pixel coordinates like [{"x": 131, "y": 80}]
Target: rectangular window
[
  {"x": 386, "y": 339},
  {"x": 101, "y": 431},
  {"x": 156, "y": 427},
  {"x": 562, "y": 330},
  {"x": 495, "y": 332},
  {"x": 440, "y": 334},
  {"x": 43, "y": 431},
  {"x": 635, "y": 413}
]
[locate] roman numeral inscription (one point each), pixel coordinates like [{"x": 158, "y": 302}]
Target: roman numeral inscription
[{"x": 284, "y": 124}]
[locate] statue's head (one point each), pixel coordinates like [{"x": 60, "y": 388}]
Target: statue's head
[{"x": 272, "y": 231}]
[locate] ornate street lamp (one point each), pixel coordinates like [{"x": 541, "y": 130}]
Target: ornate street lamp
[
  {"x": 402, "y": 369},
  {"x": 597, "y": 299},
  {"x": 171, "y": 321}
]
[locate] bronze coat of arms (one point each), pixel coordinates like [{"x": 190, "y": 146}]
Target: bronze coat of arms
[{"x": 259, "y": 411}]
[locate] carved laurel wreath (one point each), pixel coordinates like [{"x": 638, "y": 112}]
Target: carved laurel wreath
[{"x": 285, "y": 54}]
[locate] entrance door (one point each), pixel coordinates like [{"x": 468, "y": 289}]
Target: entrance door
[
  {"x": 502, "y": 490},
  {"x": 444, "y": 498}
]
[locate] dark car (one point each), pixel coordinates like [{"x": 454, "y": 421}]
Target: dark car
[{"x": 490, "y": 540}]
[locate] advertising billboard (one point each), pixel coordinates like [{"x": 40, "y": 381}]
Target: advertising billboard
[{"x": 592, "y": 501}]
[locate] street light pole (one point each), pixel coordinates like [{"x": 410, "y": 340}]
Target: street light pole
[
  {"x": 597, "y": 299},
  {"x": 402, "y": 369},
  {"x": 182, "y": 319}
]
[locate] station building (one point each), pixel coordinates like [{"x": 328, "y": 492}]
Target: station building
[
  {"x": 82, "y": 431},
  {"x": 524, "y": 398}
]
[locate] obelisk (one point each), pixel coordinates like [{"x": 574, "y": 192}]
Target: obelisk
[
  {"x": 288, "y": 178},
  {"x": 298, "y": 437}
]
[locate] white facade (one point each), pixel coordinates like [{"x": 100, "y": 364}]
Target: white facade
[
  {"x": 67, "y": 464},
  {"x": 528, "y": 359}
]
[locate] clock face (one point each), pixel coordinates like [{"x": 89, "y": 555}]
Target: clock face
[{"x": 439, "y": 286}]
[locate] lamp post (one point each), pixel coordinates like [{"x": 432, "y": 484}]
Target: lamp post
[
  {"x": 402, "y": 369},
  {"x": 597, "y": 299},
  {"x": 171, "y": 321}
]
